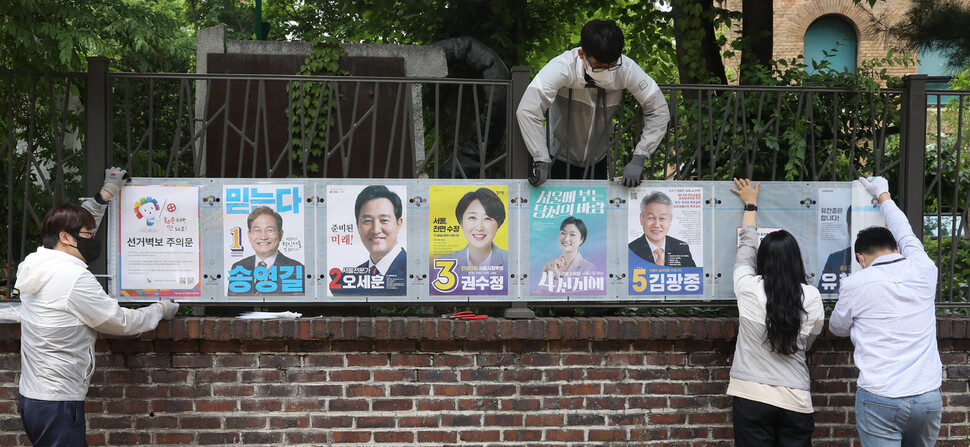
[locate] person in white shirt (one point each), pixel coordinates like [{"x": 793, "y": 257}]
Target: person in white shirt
[
  {"x": 888, "y": 310},
  {"x": 63, "y": 309},
  {"x": 581, "y": 89},
  {"x": 780, "y": 316}
]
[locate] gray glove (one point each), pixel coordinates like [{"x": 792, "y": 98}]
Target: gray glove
[
  {"x": 169, "y": 309},
  {"x": 540, "y": 173},
  {"x": 875, "y": 185},
  {"x": 114, "y": 179},
  {"x": 633, "y": 172}
]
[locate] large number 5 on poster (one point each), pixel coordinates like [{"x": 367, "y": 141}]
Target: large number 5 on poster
[
  {"x": 445, "y": 279},
  {"x": 639, "y": 282}
]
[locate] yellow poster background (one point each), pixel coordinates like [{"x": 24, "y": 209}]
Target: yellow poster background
[{"x": 442, "y": 201}]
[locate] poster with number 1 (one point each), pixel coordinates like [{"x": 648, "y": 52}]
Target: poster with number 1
[{"x": 264, "y": 240}]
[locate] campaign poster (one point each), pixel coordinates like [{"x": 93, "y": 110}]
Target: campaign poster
[
  {"x": 159, "y": 241},
  {"x": 568, "y": 241},
  {"x": 666, "y": 234},
  {"x": 264, "y": 240},
  {"x": 366, "y": 240},
  {"x": 834, "y": 238},
  {"x": 469, "y": 239}
]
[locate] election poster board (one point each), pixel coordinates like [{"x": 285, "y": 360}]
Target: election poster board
[
  {"x": 834, "y": 238},
  {"x": 666, "y": 238},
  {"x": 366, "y": 239},
  {"x": 568, "y": 241},
  {"x": 159, "y": 241},
  {"x": 469, "y": 240},
  {"x": 264, "y": 240}
]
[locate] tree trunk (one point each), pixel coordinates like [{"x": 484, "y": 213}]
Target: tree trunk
[
  {"x": 696, "y": 66},
  {"x": 757, "y": 26}
]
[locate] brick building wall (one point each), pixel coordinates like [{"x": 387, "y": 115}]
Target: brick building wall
[
  {"x": 612, "y": 381},
  {"x": 793, "y": 17}
]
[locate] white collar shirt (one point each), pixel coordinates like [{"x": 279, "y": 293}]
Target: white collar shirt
[
  {"x": 385, "y": 263},
  {"x": 889, "y": 312}
]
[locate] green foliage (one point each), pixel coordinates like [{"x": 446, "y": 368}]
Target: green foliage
[
  {"x": 46, "y": 36},
  {"x": 952, "y": 257},
  {"x": 939, "y": 25},
  {"x": 787, "y": 134},
  {"x": 238, "y": 16},
  {"x": 312, "y": 103},
  {"x": 521, "y": 33},
  {"x": 693, "y": 25}
]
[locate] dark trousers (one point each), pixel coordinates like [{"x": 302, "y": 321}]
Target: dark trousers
[
  {"x": 563, "y": 170},
  {"x": 53, "y": 423},
  {"x": 758, "y": 424}
]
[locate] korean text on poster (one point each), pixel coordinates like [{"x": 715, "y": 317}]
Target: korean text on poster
[
  {"x": 666, "y": 234},
  {"x": 159, "y": 241},
  {"x": 468, "y": 240},
  {"x": 574, "y": 221},
  {"x": 366, "y": 240},
  {"x": 834, "y": 238},
  {"x": 264, "y": 240}
]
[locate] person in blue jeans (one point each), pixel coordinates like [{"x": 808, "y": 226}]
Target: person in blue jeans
[{"x": 888, "y": 309}]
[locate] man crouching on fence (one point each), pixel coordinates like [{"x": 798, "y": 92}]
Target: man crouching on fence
[
  {"x": 63, "y": 309},
  {"x": 888, "y": 308}
]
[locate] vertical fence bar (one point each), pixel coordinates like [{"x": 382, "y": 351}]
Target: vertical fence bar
[
  {"x": 913, "y": 147},
  {"x": 519, "y": 156},
  {"x": 97, "y": 138}
]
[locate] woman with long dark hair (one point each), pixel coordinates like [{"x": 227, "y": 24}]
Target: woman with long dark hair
[{"x": 780, "y": 316}]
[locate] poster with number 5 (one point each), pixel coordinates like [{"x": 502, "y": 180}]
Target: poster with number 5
[{"x": 666, "y": 234}]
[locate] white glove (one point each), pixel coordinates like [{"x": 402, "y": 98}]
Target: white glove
[
  {"x": 875, "y": 185},
  {"x": 169, "y": 309},
  {"x": 114, "y": 179}
]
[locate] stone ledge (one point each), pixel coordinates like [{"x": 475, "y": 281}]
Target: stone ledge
[{"x": 492, "y": 329}]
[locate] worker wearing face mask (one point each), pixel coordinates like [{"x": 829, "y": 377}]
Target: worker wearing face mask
[
  {"x": 63, "y": 310},
  {"x": 581, "y": 89}
]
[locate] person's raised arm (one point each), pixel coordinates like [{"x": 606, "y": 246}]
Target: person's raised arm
[
  {"x": 909, "y": 245},
  {"x": 114, "y": 179},
  {"x": 748, "y": 251}
]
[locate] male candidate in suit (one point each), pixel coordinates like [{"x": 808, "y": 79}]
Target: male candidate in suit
[
  {"x": 265, "y": 232},
  {"x": 379, "y": 215},
  {"x": 654, "y": 245}
]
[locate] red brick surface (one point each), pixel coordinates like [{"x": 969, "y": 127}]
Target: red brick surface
[{"x": 612, "y": 381}]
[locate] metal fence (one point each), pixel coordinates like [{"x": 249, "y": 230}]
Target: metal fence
[{"x": 59, "y": 131}]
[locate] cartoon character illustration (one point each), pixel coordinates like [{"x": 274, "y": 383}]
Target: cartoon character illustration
[{"x": 147, "y": 208}]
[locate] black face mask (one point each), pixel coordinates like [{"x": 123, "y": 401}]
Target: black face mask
[{"x": 90, "y": 249}]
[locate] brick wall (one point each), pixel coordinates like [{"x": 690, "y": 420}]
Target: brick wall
[
  {"x": 420, "y": 381},
  {"x": 793, "y": 17}
]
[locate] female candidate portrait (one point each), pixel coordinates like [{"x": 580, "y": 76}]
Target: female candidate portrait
[
  {"x": 480, "y": 214},
  {"x": 780, "y": 316},
  {"x": 572, "y": 235}
]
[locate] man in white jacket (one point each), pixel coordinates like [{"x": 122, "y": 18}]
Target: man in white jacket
[
  {"x": 582, "y": 89},
  {"x": 63, "y": 309}
]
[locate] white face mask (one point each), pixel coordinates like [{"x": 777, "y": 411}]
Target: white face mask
[{"x": 601, "y": 77}]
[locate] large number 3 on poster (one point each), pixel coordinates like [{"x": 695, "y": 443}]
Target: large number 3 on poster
[
  {"x": 236, "y": 243},
  {"x": 446, "y": 280}
]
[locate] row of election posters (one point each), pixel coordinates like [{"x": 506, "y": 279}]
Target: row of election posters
[{"x": 358, "y": 243}]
